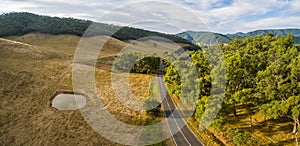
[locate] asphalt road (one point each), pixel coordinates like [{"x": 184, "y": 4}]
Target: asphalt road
[{"x": 182, "y": 134}]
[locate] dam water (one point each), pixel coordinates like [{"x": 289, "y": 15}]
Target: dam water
[{"x": 68, "y": 101}]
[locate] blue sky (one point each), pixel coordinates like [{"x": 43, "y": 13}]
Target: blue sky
[{"x": 172, "y": 16}]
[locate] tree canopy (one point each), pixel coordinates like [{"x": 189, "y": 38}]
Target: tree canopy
[
  {"x": 261, "y": 71},
  {"x": 20, "y": 23}
]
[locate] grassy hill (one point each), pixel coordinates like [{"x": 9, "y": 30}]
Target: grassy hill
[
  {"x": 67, "y": 43},
  {"x": 33, "y": 68},
  {"x": 36, "y": 65}
]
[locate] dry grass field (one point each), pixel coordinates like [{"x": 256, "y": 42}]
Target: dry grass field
[{"x": 33, "y": 68}]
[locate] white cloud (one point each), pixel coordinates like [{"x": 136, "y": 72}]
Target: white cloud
[
  {"x": 219, "y": 15},
  {"x": 159, "y": 12},
  {"x": 205, "y": 4},
  {"x": 16, "y": 6},
  {"x": 232, "y": 18},
  {"x": 275, "y": 22}
]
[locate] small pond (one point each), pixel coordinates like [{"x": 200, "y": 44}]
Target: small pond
[{"x": 68, "y": 101}]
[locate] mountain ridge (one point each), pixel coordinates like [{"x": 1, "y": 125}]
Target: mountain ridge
[
  {"x": 206, "y": 37},
  {"x": 20, "y": 23}
]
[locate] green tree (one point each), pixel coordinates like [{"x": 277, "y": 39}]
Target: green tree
[
  {"x": 278, "y": 85},
  {"x": 152, "y": 106}
]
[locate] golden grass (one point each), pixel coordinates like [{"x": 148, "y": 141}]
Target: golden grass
[
  {"x": 27, "y": 81},
  {"x": 269, "y": 132},
  {"x": 68, "y": 43},
  {"x": 139, "y": 87},
  {"x": 30, "y": 75}
]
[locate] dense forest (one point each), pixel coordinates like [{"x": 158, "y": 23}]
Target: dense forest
[
  {"x": 262, "y": 76},
  {"x": 20, "y": 23}
]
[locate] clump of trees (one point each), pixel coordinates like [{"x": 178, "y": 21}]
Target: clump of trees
[
  {"x": 261, "y": 71},
  {"x": 180, "y": 78},
  {"x": 240, "y": 137},
  {"x": 152, "y": 107},
  {"x": 137, "y": 63}
]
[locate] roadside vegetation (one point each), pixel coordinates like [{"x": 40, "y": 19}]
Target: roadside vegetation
[{"x": 262, "y": 96}]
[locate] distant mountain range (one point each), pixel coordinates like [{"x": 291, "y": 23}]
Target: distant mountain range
[{"x": 214, "y": 38}]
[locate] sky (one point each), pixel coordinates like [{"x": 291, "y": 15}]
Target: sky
[{"x": 171, "y": 16}]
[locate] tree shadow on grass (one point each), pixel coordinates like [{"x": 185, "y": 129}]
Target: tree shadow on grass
[
  {"x": 272, "y": 126},
  {"x": 279, "y": 127},
  {"x": 284, "y": 142}
]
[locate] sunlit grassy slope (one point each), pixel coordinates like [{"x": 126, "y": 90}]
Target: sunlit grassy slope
[
  {"x": 33, "y": 68},
  {"x": 67, "y": 43}
]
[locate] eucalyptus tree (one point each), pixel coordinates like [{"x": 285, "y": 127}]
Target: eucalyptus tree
[{"x": 278, "y": 86}]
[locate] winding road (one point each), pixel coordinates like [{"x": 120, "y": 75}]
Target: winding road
[{"x": 182, "y": 134}]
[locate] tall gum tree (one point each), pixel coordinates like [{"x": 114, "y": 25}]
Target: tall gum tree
[{"x": 278, "y": 85}]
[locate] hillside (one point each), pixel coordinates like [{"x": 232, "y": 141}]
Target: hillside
[
  {"x": 67, "y": 43},
  {"x": 22, "y": 23},
  {"x": 204, "y": 37},
  {"x": 281, "y": 32},
  {"x": 214, "y": 38},
  {"x": 33, "y": 67}
]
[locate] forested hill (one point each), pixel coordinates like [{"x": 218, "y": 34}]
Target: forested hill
[
  {"x": 20, "y": 23},
  {"x": 204, "y": 37},
  {"x": 280, "y": 32},
  {"x": 213, "y": 38}
]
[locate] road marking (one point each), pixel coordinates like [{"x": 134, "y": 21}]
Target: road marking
[
  {"x": 172, "y": 115},
  {"x": 165, "y": 113},
  {"x": 184, "y": 120},
  {"x": 179, "y": 129},
  {"x": 162, "y": 88}
]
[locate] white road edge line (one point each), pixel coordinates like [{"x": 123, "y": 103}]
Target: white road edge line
[
  {"x": 175, "y": 120},
  {"x": 167, "y": 119},
  {"x": 188, "y": 126}
]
